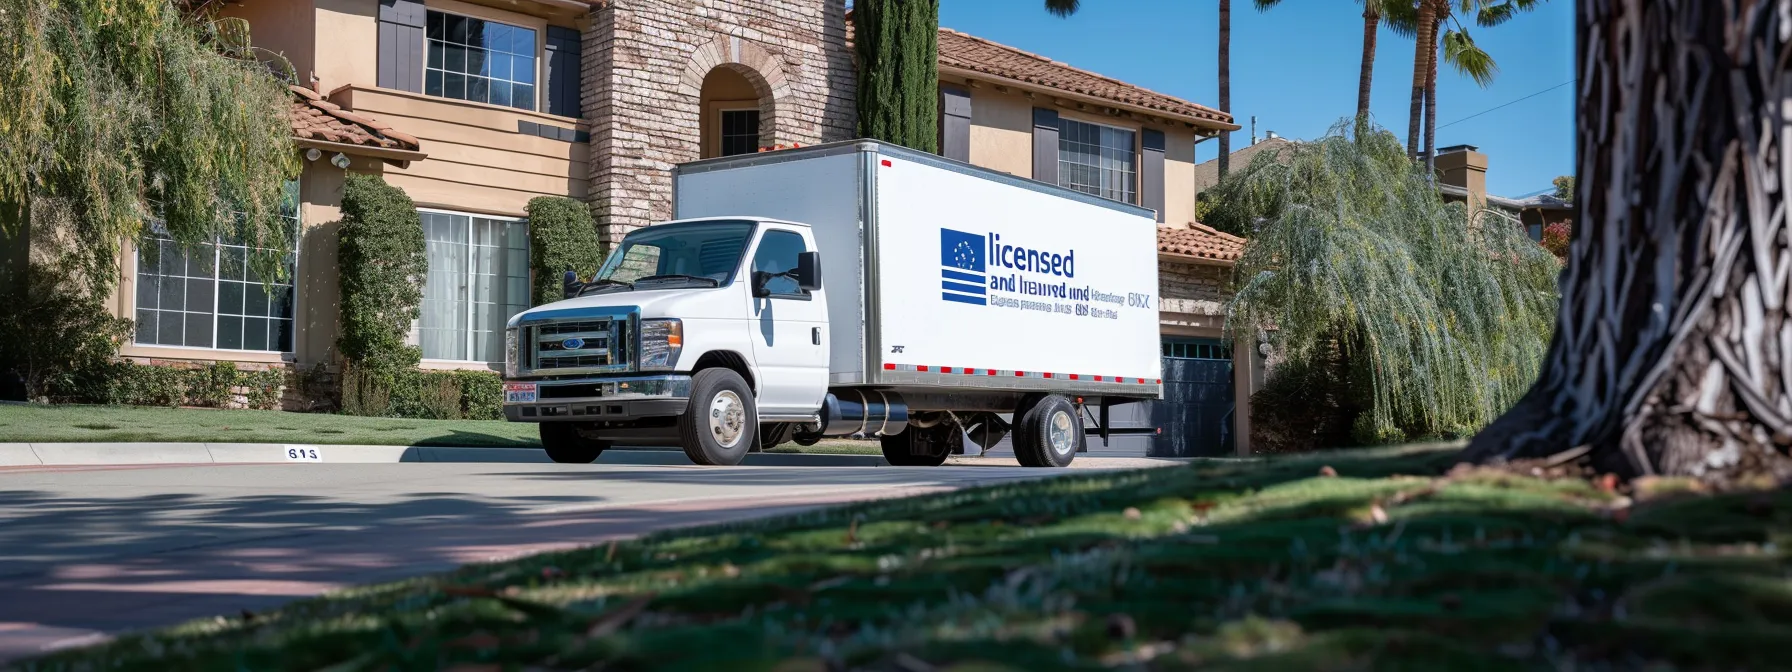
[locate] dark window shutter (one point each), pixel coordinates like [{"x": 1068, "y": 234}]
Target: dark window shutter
[
  {"x": 1045, "y": 145},
  {"x": 563, "y": 60},
  {"x": 401, "y": 45},
  {"x": 1151, "y": 171},
  {"x": 955, "y": 123}
]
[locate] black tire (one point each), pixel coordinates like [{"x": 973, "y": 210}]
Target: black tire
[
  {"x": 1033, "y": 444},
  {"x": 1017, "y": 424},
  {"x": 936, "y": 444},
  {"x": 564, "y": 444},
  {"x": 702, "y": 442}
]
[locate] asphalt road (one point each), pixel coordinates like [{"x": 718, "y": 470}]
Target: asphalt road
[{"x": 89, "y": 551}]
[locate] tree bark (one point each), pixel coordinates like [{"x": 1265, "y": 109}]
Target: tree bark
[
  {"x": 1673, "y": 348},
  {"x": 1422, "y": 53},
  {"x": 1431, "y": 98},
  {"x": 1225, "y": 73},
  {"x": 1371, "y": 21}
]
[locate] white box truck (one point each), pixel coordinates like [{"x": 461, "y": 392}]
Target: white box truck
[{"x": 850, "y": 289}]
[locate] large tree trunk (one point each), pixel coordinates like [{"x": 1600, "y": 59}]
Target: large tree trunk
[
  {"x": 1422, "y": 53},
  {"x": 1673, "y": 349},
  {"x": 1431, "y": 100},
  {"x": 1371, "y": 21},
  {"x": 1225, "y": 82}
]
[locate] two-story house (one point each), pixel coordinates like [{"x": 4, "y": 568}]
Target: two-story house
[{"x": 473, "y": 107}]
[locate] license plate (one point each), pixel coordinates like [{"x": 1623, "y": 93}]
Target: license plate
[{"x": 519, "y": 393}]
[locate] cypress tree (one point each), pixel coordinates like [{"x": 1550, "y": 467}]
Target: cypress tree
[{"x": 898, "y": 54}]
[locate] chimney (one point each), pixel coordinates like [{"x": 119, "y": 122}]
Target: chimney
[{"x": 1464, "y": 166}]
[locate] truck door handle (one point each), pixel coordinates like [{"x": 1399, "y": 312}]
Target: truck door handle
[{"x": 816, "y": 335}]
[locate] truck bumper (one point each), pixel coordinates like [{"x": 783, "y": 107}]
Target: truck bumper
[{"x": 603, "y": 399}]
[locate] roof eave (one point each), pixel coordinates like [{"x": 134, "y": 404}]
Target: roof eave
[
  {"x": 399, "y": 157},
  {"x": 1192, "y": 259},
  {"x": 1200, "y": 122}
]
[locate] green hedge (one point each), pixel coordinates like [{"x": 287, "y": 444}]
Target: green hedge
[
  {"x": 124, "y": 383},
  {"x": 562, "y": 237},
  {"x": 427, "y": 395},
  {"x": 897, "y": 45},
  {"x": 382, "y": 266}
]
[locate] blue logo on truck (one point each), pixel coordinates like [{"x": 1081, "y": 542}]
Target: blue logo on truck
[{"x": 962, "y": 277}]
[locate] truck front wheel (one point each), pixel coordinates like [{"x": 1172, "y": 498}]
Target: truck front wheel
[
  {"x": 566, "y": 445},
  {"x": 1048, "y": 434},
  {"x": 721, "y": 421}
]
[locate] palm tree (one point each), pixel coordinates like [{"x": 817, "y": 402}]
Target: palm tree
[
  {"x": 1372, "y": 10},
  {"x": 1424, "y": 21},
  {"x": 1062, "y": 8},
  {"x": 1225, "y": 82}
]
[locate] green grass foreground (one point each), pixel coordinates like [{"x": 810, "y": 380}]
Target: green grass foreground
[{"x": 1395, "y": 562}]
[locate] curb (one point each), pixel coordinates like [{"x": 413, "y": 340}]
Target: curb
[{"x": 97, "y": 454}]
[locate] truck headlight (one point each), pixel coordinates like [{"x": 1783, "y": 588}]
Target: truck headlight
[
  {"x": 510, "y": 354},
  {"x": 661, "y": 341}
]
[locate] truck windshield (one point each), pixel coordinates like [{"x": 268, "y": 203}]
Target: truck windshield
[{"x": 702, "y": 253}]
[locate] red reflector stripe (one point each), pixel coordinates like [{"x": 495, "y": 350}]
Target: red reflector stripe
[
  {"x": 945, "y": 369},
  {"x": 1098, "y": 379},
  {"x": 991, "y": 372},
  {"x": 889, "y": 367},
  {"x": 1020, "y": 374},
  {"x": 886, "y": 163},
  {"x": 1073, "y": 376},
  {"x": 1160, "y": 381},
  {"x": 920, "y": 368}
]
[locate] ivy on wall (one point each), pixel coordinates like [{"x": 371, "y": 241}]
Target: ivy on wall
[
  {"x": 562, "y": 237},
  {"x": 382, "y": 266}
]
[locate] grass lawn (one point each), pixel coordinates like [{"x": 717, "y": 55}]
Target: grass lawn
[
  {"x": 85, "y": 424},
  {"x": 1375, "y": 559}
]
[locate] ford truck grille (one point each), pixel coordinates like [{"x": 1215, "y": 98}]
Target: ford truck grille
[{"x": 578, "y": 347}]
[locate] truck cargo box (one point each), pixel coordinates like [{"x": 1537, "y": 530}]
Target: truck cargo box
[{"x": 942, "y": 275}]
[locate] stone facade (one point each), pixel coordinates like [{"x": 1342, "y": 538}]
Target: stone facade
[
  {"x": 644, "y": 64},
  {"x": 1193, "y": 289}
]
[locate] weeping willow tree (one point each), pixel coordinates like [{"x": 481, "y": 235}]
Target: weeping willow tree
[
  {"x": 897, "y": 43},
  {"x": 1445, "y": 314},
  {"x": 116, "y": 113},
  {"x": 118, "y": 118}
]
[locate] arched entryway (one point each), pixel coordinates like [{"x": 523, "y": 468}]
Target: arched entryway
[
  {"x": 741, "y": 89},
  {"x": 732, "y": 120}
]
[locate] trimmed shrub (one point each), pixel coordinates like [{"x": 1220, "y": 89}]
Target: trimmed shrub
[
  {"x": 562, "y": 237},
  {"x": 424, "y": 395},
  {"x": 216, "y": 385},
  {"x": 382, "y": 264}
]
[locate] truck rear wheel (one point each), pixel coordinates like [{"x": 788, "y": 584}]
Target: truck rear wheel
[
  {"x": 919, "y": 447},
  {"x": 721, "y": 423},
  {"x": 1048, "y": 434},
  {"x": 564, "y": 444}
]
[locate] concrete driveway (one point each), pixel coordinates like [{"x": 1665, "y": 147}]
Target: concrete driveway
[{"x": 86, "y": 551}]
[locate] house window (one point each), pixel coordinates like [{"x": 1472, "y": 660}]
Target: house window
[
  {"x": 478, "y": 60},
  {"x": 478, "y": 278},
  {"x": 1196, "y": 348},
  {"x": 740, "y": 132},
  {"x": 1098, "y": 160},
  {"x": 210, "y": 296}
]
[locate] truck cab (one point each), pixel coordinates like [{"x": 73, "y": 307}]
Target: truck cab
[{"x": 728, "y": 311}]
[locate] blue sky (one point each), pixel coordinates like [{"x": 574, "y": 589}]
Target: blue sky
[{"x": 1296, "y": 66}]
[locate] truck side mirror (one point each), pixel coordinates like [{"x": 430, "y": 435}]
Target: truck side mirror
[
  {"x": 570, "y": 285},
  {"x": 808, "y": 271}
]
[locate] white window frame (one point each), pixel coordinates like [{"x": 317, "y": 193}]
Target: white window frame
[
  {"x": 539, "y": 54},
  {"x": 217, "y": 259},
  {"x": 417, "y": 325},
  {"x": 1138, "y": 153}
]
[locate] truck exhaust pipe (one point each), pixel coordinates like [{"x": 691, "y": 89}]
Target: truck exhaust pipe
[{"x": 863, "y": 414}]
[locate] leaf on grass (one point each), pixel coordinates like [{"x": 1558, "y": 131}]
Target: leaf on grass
[
  {"x": 615, "y": 619},
  {"x": 852, "y": 531},
  {"x": 1328, "y": 472},
  {"x": 1377, "y": 514},
  {"x": 1131, "y": 513},
  {"x": 610, "y": 554}
]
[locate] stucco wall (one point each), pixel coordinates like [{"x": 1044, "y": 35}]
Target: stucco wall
[
  {"x": 348, "y": 36},
  {"x": 1002, "y": 131},
  {"x": 645, "y": 61},
  {"x": 283, "y": 27}
]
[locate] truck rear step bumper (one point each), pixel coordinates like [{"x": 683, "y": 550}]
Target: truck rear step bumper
[{"x": 603, "y": 399}]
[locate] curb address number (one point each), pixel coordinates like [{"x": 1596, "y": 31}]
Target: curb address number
[{"x": 303, "y": 454}]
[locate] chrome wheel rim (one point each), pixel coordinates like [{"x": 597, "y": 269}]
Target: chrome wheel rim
[
  {"x": 727, "y": 418},
  {"x": 1061, "y": 433}
]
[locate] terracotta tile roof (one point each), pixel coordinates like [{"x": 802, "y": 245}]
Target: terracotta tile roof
[
  {"x": 968, "y": 52},
  {"x": 314, "y": 118},
  {"x": 1199, "y": 241}
]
